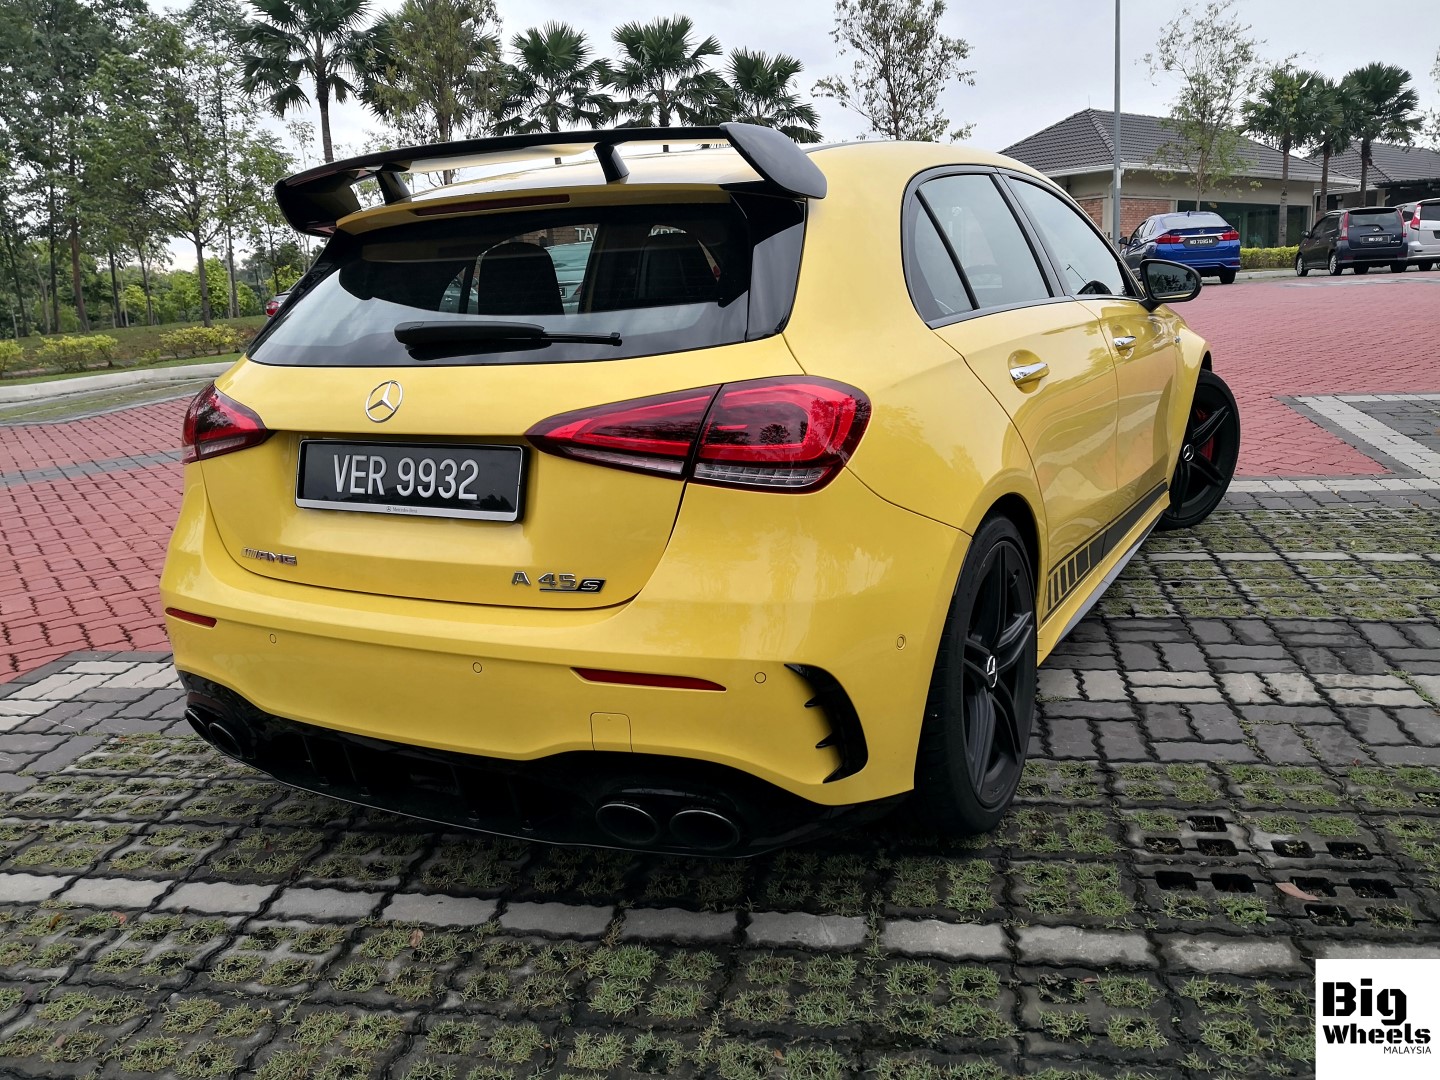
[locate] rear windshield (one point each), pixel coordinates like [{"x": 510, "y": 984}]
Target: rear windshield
[
  {"x": 1430, "y": 211},
  {"x": 1380, "y": 216},
  {"x": 656, "y": 278},
  {"x": 1197, "y": 221}
]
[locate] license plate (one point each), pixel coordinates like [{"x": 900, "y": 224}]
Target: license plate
[
  {"x": 1201, "y": 241},
  {"x": 1378, "y": 240},
  {"x": 422, "y": 480}
]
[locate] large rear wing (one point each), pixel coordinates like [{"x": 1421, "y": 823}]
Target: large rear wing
[{"x": 314, "y": 200}]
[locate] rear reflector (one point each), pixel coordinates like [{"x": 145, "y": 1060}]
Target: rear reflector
[
  {"x": 190, "y": 617},
  {"x": 635, "y": 678},
  {"x": 216, "y": 424},
  {"x": 780, "y": 434}
]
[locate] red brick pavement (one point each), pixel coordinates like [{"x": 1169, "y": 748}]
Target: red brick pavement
[
  {"x": 1345, "y": 335},
  {"x": 80, "y": 559}
]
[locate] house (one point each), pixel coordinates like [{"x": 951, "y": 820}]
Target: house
[
  {"x": 1398, "y": 174},
  {"x": 1077, "y": 153}
]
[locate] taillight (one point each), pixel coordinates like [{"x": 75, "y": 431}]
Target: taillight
[
  {"x": 1344, "y": 226},
  {"x": 216, "y": 424},
  {"x": 1169, "y": 238},
  {"x": 780, "y": 434},
  {"x": 271, "y": 306},
  {"x": 1230, "y": 234}
]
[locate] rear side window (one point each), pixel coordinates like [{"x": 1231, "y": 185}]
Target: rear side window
[
  {"x": 1086, "y": 261},
  {"x": 994, "y": 255},
  {"x": 935, "y": 284},
  {"x": 664, "y": 278},
  {"x": 1430, "y": 212}
]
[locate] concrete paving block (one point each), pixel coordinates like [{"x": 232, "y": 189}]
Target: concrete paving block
[
  {"x": 570, "y": 920},
  {"x": 1292, "y": 688},
  {"x": 1103, "y": 686},
  {"x": 19, "y": 888},
  {"x": 1058, "y": 683},
  {"x": 13, "y": 706},
  {"x": 1170, "y": 678},
  {"x": 99, "y": 667},
  {"x": 219, "y": 897},
  {"x": 804, "y": 930},
  {"x": 955, "y": 941},
  {"x": 57, "y": 687},
  {"x": 68, "y": 751},
  {"x": 115, "y": 892},
  {"x": 1234, "y": 956},
  {"x": 324, "y": 904},
  {"x": 1374, "y": 950},
  {"x": 1092, "y": 948},
  {"x": 1429, "y": 684},
  {"x": 437, "y": 909},
  {"x": 1180, "y": 694},
  {"x": 677, "y": 924}
]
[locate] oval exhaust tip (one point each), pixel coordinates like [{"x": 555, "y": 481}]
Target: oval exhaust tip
[
  {"x": 224, "y": 740},
  {"x": 628, "y": 823},
  {"x": 704, "y": 830}
]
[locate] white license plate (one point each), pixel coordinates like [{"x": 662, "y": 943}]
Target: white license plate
[{"x": 415, "y": 480}]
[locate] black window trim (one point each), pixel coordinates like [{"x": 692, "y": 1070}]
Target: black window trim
[
  {"x": 912, "y": 202},
  {"x": 1008, "y": 177}
]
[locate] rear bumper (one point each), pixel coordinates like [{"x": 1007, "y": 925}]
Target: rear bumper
[
  {"x": 1380, "y": 253},
  {"x": 1206, "y": 259},
  {"x": 838, "y": 583}
]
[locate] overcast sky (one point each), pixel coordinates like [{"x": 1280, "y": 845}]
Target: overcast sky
[{"x": 1035, "y": 61}]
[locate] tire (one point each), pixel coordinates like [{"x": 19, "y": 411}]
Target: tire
[
  {"x": 1362, "y": 268},
  {"x": 1301, "y": 270},
  {"x": 1208, "y": 455},
  {"x": 1398, "y": 267},
  {"x": 981, "y": 706},
  {"x": 1335, "y": 268},
  {"x": 1227, "y": 276},
  {"x": 1425, "y": 265}
]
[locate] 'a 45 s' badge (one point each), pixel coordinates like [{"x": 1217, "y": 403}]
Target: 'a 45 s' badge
[{"x": 559, "y": 582}]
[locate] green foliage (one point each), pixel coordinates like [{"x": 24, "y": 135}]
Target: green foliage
[
  {"x": 1383, "y": 107},
  {"x": 761, "y": 91},
  {"x": 10, "y": 354},
  {"x": 663, "y": 71},
  {"x": 75, "y": 353},
  {"x": 554, "y": 83},
  {"x": 1275, "y": 258},
  {"x": 902, "y": 64},
  {"x": 195, "y": 340}
]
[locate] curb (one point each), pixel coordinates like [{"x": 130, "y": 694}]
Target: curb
[{"x": 87, "y": 383}]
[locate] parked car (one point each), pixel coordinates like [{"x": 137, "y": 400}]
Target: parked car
[
  {"x": 769, "y": 534},
  {"x": 570, "y": 261},
  {"x": 1422, "y": 232},
  {"x": 1359, "y": 239},
  {"x": 273, "y": 304},
  {"x": 1197, "y": 238}
]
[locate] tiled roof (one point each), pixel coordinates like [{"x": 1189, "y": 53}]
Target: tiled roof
[
  {"x": 1083, "y": 142},
  {"x": 1390, "y": 164}
]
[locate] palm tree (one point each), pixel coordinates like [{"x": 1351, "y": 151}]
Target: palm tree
[
  {"x": 1331, "y": 121},
  {"x": 1283, "y": 115},
  {"x": 322, "y": 42},
  {"x": 760, "y": 92},
  {"x": 554, "y": 82},
  {"x": 1385, "y": 109},
  {"x": 665, "y": 73}
]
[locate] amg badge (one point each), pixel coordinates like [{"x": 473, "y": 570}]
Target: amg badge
[
  {"x": 270, "y": 556},
  {"x": 559, "y": 582}
]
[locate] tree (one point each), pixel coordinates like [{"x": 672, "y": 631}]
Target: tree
[
  {"x": 664, "y": 72},
  {"x": 438, "y": 71},
  {"x": 761, "y": 91},
  {"x": 322, "y": 42},
  {"x": 902, "y": 64},
  {"x": 554, "y": 82},
  {"x": 1284, "y": 114},
  {"x": 1217, "y": 60},
  {"x": 1383, "y": 108},
  {"x": 1332, "y": 122}
]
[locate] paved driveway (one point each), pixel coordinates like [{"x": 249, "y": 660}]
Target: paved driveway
[{"x": 1237, "y": 769}]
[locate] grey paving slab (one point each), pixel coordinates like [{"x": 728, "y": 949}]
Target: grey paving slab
[
  {"x": 439, "y": 910},
  {"x": 804, "y": 930},
  {"x": 18, "y": 888},
  {"x": 1077, "y": 945},
  {"x": 325, "y": 904},
  {"x": 677, "y": 924},
  {"x": 955, "y": 941},
  {"x": 222, "y": 898},
  {"x": 1234, "y": 956},
  {"x": 111, "y": 892},
  {"x": 569, "y": 920}
]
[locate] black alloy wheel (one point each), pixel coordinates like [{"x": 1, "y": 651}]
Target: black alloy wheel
[
  {"x": 982, "y": 695},
  {"x": 1335, "y": 268},
  {"x": 1300, "y": 268},
  {"x": 1208, "y": 455}
]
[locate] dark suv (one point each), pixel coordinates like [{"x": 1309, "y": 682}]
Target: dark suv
[{"x": 1360, "y": 238}]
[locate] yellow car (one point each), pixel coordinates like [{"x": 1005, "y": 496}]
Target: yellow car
[{"x": 762, "y": 527}]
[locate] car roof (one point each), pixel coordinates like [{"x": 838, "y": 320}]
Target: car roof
[{"x": 866, "y": 162}]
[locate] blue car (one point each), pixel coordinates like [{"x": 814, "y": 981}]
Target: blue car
[{"x": 1197, "y": 238}]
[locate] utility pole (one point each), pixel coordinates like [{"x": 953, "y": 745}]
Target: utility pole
[{"x": 1115, "y": 179}]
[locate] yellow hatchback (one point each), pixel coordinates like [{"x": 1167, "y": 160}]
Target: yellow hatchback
[{"x": 758, "y": 521}]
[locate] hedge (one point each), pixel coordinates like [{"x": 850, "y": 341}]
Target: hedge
[
  {"x": 74, "y": 353},
  {"x": 1281, "y": 258},
  {"x": 10, "y": 354},
  {"x": 194, "y": 340}
]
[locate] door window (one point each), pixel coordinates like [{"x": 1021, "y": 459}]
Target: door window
[
  {"x": 1086, "y": 262},
  {"x": 994, "y": 255},
  {"x": 935, "y": 284}
]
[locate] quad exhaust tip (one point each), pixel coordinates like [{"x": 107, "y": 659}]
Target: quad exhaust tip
[
  {"x": 704, "y": 830},
  {"x": 694, "y": 828},
  {"x": 628, "y": 823}
]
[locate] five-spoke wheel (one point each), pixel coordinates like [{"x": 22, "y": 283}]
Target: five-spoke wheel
[
  {"x": 982, "y": 696},
  {"x": 1208, "y": 454}
]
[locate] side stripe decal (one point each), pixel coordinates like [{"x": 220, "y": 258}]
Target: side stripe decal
[{"x": 1076, "y": 566}]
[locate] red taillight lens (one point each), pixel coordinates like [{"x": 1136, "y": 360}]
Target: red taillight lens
[
  {"x": 783, "y": 434},
  {"x": 635, "y": 678},
  {"x": 271, "y": 306},
  {"x": 190, "y": 616},
  {"x": 1230, "y": 235},
  {"x": 1169, "y": 238},
  {"x": 1344, "y": 226},
  {"x": 216, "y": 424}
]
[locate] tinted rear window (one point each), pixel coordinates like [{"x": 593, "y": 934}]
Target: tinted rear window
[
  {"x": 1196, "y": 221},
  {"x": 1389, "y": 216},
  {"x": 665, "y": 277},
  {"x": 1430, "y": 211}
]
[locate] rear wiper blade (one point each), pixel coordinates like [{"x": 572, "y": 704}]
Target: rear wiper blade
[{"x": 440, "y": 332}]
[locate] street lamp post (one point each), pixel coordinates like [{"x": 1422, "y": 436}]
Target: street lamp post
[{"x": 1115, "y": 179}]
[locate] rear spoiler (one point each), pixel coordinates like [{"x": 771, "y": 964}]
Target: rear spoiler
[{"x": 314, "y": 200}]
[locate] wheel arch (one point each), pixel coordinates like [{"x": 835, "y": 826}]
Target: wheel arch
[{"x": 1014, "y": 508}]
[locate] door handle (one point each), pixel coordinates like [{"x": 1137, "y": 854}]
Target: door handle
[
  {"x": 1124, "y": 342},
  {"x": 1029, "y": 372}
]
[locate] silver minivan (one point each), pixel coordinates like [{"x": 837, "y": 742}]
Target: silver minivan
[{"x": 1422, "y": 231}]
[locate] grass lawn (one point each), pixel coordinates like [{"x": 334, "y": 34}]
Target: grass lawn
[
  {"x": 135, "y": 340},
  {"x": 184, "y": 361}
]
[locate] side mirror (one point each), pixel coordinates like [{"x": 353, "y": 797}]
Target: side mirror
[
  {"x": 1168, "y": 282},
  {"x": 1124, "y": 241}
]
